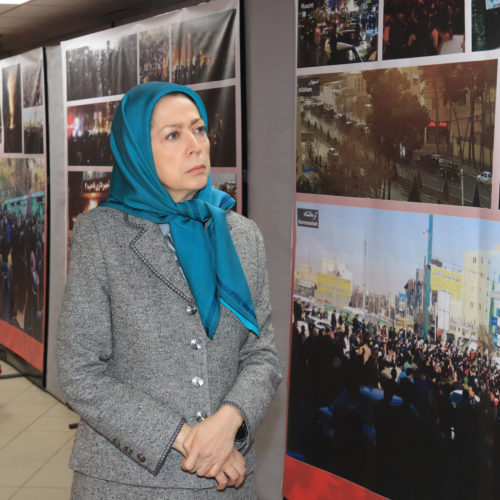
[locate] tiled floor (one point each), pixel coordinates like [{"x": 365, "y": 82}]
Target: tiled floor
[{"x": 35, "y": 442}]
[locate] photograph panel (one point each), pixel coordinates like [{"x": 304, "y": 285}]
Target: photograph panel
[
  {"x": 418, "y": 133},
  {"x": 22, "y": 243},
  {"x": 221, "y": 114},
  {"x": 336, "y": 32},
  {"x": 419, "y": 28},
  {"x": 32, "y": 85},
  {"x": 394, "y": 352},
  {"x": 153, "y": 55},
  {"x": 11, "y": 107},
  {"x": 89, "y": 128},
  {"x": 485, "y": 24},
  {"x": 85, "y": 191},
  {"x": 101, "y": 68},
  {"x": 227, "y": 183},
  {"x": 33, "y": 131},
  {"x": 203, "y": 49}
]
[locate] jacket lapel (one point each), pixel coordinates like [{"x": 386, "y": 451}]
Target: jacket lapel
[{"x": 151, "y": 248}]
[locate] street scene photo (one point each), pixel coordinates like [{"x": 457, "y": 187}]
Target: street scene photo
[
  {"x": 417, "y": 28},
  {"x": 336, "y": 32},
  {"x": 395, "y": 366},
  {"x": 485, "y": 24},
  {"x": 417, "y": 133}
]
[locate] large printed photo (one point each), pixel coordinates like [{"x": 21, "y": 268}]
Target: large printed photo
[
  {"x": 417, "y": 133},
  {"x": 395, "y": 365}
]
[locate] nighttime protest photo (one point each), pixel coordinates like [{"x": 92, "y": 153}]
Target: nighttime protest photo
[
  {"x": 88, "y": 132},
  {"x": 101, "y": 69},
  {"x": 417, "y": 28},
  {"x": 418, "y": 133},
  {"x": 12, "y": 109},
  {"x": 485, "y": 24},
  {"x": 33, "y": 131},
  {"x": 32, "y": 85},
  {"x": 336, "y": 32},
  {"x": 203, "y": 49},
  {"x": 394, "y": 376},
  {"x": 22, "y": 244},
  {"x": 153, "y": 55}
]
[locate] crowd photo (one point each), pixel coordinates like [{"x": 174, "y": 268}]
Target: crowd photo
[
  {"x": 153, "y": 55},
  {"x": 203, "y": 49},
  {"x": 98, "y": 72},
  {"x": 89, "y": 127},
  {"x": 406, "y": 415},
  {"x": 418, "y": 28}
]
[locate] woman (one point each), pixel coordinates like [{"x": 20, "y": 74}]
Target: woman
[{"x": 166, "y": 346}]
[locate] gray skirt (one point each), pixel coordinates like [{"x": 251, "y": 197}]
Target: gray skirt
[{"x": 91, "y": 488}]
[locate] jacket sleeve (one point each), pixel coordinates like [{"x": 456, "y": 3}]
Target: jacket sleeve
[
  {"x": 142, "y": 428},
  {"x": 259, "y": 370}
]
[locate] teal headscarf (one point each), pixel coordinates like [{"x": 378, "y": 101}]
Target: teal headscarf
[{"x": 199, "y": 229}]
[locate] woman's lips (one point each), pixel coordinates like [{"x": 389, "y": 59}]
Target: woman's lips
[{"x": 198, "y": 169}]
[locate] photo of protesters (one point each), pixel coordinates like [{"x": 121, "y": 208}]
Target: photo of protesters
[
  {"x": 88, "y": 132},
  {"x": 203, "y": 49},
  {"x": 395, "y": 366},
  {"x": 102, "y": 68},
  {"x": 85, "y": 191},
  {"x": 485, "y": 24},
  {"x": 153, "y": 55},
  {"x": 336, "y": 32},
  {"x": 33, "y": 131},
  {"x": 221, "y": 112},
  {"x": 11, "y": 107},
  {"x": 32, "y": 85},
  {"x": 417, "y": 28},
  {"x": 418, "y": 134},
  {"x": 22, "y": 244},
  {"x": 227, "y": 183}
]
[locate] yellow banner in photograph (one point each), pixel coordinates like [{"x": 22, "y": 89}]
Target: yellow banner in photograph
[{"x": 447, "y": 281}]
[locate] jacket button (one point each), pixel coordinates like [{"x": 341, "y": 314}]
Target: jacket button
[
  {"x": 190, "y": 309},
  {"x": 200, "y": 416},
  {"x": 195, "y": 344},
  {"x": 197, "y": 381},
  {"x": 141, "y": 457},
  {"x": 116, "y": 442},
  {"x": 128, "y": 451}
]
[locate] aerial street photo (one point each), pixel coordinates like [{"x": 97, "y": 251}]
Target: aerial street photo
[{"x": 417, "y": 133}]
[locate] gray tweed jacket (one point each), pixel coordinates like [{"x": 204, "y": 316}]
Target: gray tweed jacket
[{"x": 134, "y": 360}]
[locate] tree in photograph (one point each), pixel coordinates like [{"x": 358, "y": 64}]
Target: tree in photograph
[
  {"x": 414, "y": 194},
  {"x": 433, "y": 76},
  {"x": 397, "y": 119}
]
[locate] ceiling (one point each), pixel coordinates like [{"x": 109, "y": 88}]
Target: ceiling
[{"x": 46, "y": 22}]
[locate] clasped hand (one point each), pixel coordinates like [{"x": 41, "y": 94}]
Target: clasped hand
[{"x": 209, "y": 448}]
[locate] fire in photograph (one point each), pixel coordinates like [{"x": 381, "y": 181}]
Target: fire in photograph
[
  {"x": 33, "y": 131},
  {"x": 101, "y": 68},
  {"x": 89, "y": 128},
  {"x": 203, "y": 49},
  {"x": 418, "y": 133},
  {"x": 13, "y": 131},
  {"x": 485, "y": 24},
  {"x": 32, "y": 85},
  {"x": 395, "y": 373},
  {"x": 418, "y": 28},
  {"x": 22, "y": 229},
  {"x": 336, "y": 32},
  {"x": 85, "y": 191},
  {"x": 153, "y": 55},
  {"x": 221, "y": 115}
]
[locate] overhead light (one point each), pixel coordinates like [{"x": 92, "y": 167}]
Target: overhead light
[{"x": 12, "y": 2}]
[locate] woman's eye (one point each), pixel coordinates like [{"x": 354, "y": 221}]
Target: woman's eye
[
  {"x": 173, "y": 135},
  {"x": 201, "y": 129}
]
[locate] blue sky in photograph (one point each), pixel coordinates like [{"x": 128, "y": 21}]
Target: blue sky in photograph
[{"x": 396, "y": 242}]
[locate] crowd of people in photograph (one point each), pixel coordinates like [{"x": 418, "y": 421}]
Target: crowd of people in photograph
[
  {"x": 22, "y": 271},
  {"x": 420, "y": 28},
  {"x": 90, "y": 148},
  {"x": 33, "y": 139},
  {"x": 153, "y": 56},
  {"x": 406, "y": 416},
  {"x": 101, "y": 72}
]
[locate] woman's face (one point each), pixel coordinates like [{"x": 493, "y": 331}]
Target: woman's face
[{"x": 181, "y": 150}]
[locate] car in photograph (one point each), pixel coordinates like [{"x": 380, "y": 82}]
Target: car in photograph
[
  {"x": 349, "y": 36},
  {"x": 484, "y": 177},
  {"x": 345, "y": 54}
]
